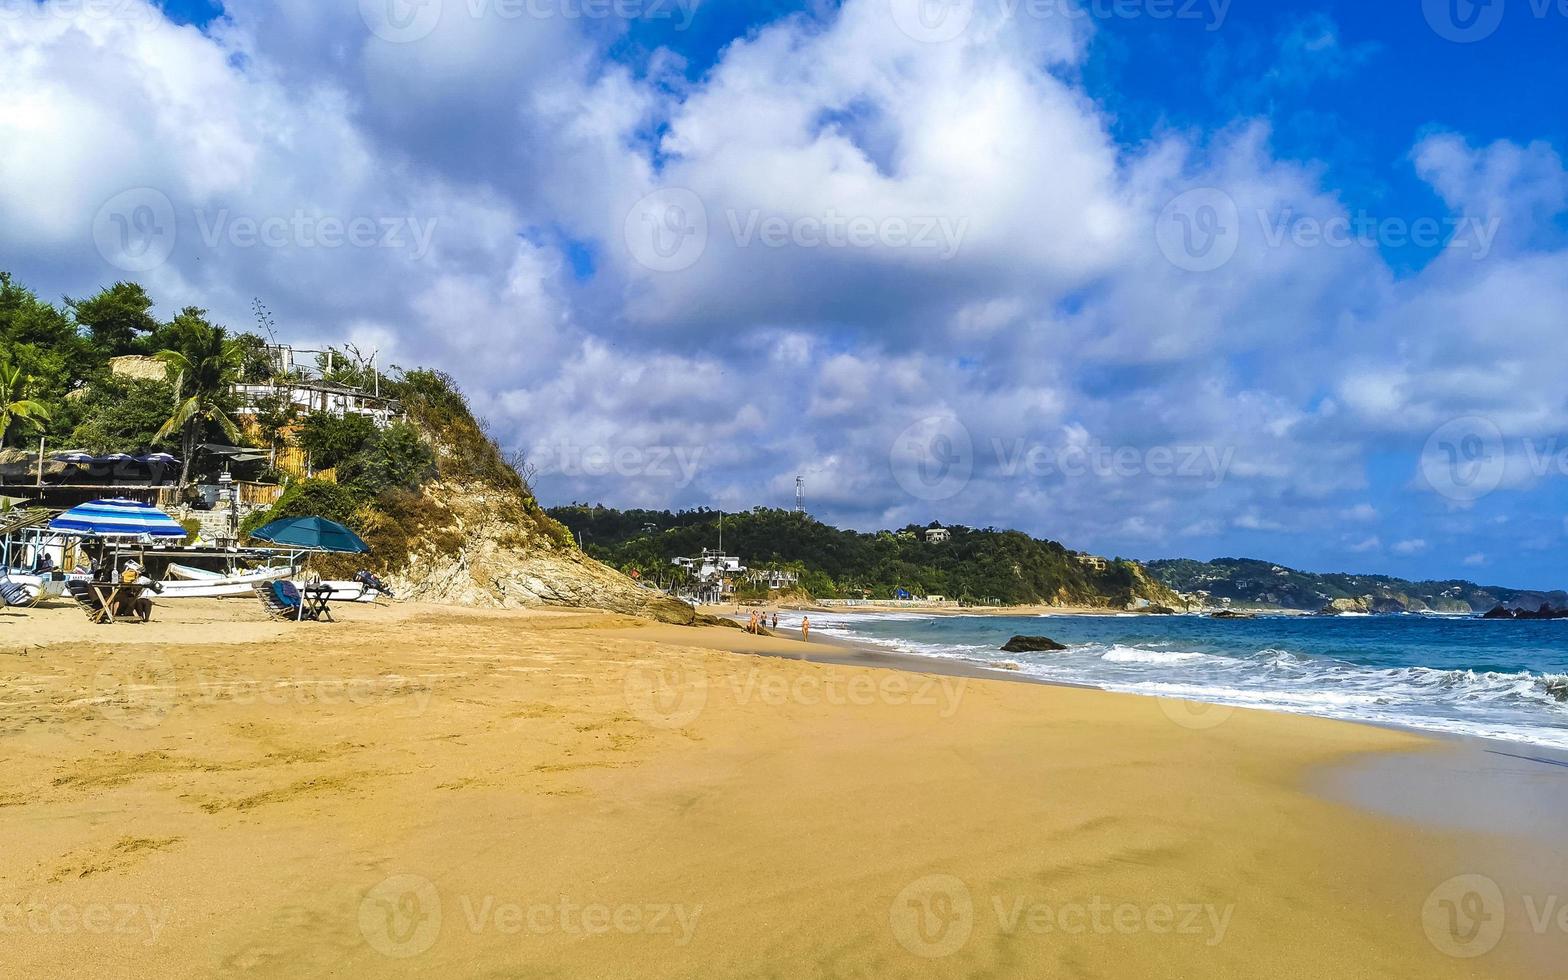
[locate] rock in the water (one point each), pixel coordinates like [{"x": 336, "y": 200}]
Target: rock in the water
[
  {"x": 1031, "y": 644},
  {"x": 1340, "y": 606},
  {"x": 1499, "y": 612},
  {"x": 1232, "y": 614},
  {"x": 1547, "y": 611},
  {"x": 1160, "y": 611}
]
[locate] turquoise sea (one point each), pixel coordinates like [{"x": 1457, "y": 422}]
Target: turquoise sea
[{"x": 1496, "y": 679}]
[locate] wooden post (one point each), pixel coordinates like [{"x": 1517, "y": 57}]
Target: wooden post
[{"x": 40, "y": 461}]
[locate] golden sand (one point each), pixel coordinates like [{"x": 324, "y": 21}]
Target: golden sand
[{"x": 421, "y": 791}]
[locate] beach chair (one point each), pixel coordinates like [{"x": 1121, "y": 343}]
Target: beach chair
[
  {"x": 12, "y": 594},
  {"x": 85, "y": 597},
  {"x": 282, "y": 600}
]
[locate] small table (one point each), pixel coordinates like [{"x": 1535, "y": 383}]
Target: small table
[
  {"x": 313, "y": 600},
  {"x": 109, "y": 595}
]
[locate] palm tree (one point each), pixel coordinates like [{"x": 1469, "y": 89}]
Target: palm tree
[
  {"x": 14, "y": 403},
  {"x": 202, "y": 370}
]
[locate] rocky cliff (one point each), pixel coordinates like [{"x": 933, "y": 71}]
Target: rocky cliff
[{"x": 473, "y": 534}]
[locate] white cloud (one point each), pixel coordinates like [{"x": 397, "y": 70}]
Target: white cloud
[{"x": 1058, "y": 325}]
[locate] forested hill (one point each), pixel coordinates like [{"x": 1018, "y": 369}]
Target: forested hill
[
  {"x": 1006, "y": 567},
  {"x": 1251, "y": 582}
]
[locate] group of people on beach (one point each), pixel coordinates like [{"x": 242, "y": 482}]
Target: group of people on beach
[{"x": 759, "y": 622}]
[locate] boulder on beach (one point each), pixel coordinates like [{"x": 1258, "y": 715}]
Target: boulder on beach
[{"x": 1031, "y": 644}]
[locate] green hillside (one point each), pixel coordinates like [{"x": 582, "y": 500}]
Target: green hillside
[
  {"x": 975, "y": 566},
  {"x": 1247, "y": 581}
]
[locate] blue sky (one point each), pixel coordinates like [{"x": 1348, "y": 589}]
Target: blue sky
[{"x": 1061, "y": 265}]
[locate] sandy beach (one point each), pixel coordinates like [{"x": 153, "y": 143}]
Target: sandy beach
[{"x": 421, "y": 790}]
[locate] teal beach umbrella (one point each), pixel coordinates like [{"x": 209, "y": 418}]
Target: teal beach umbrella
[{"x": 312, "y": 533}]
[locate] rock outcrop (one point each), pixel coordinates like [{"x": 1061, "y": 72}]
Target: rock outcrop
[
  {"x": 474, "y": 535},
  {"x": 489, "y": 568},
  {"x": 1341, "y": 606},
  {"x": 1032, "y": 644},
  {"x": 1545, "y": 611}
]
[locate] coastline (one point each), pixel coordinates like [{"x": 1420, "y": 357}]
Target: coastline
[{"x": 799, "y": 807}]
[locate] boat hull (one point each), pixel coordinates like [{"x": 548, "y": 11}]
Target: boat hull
[{"x": 220, "y": 586}]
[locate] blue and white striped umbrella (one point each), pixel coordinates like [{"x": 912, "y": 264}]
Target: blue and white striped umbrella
[{"x": 117, "y": 519}]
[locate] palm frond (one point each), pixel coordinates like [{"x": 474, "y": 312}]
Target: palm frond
[{"x": 183, "y": 413}]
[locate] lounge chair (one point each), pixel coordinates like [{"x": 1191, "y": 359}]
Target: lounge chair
[
  {"x": 12, "y": 594},
  {"x": 282, "y": 600},
  {"x": 84, "y": 595}
]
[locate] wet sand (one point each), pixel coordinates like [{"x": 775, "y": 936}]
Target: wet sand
[{"x": 430, "y": 791}]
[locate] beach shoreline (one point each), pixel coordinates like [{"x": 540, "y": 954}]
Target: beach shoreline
[{"x": 412, "y": 765}]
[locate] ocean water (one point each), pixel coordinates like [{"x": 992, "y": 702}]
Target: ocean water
[{"x": 1443, "y": 674}]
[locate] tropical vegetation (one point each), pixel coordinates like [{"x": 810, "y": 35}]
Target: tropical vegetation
[{"x": 975, "y": 565}]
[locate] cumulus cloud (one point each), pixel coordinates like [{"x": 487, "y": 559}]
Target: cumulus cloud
[{"x": 683, "y": 290}]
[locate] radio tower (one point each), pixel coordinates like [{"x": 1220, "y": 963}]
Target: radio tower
[{"x": 800, "y": 495}]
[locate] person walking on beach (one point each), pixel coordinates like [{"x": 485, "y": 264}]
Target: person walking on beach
[
  {"x": 805, "y": 628},
  {"x": 775, "y": 619}
]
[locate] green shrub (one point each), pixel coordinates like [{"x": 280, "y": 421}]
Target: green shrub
[
  {"x": 330, "y": 439},
  {"x": 308, "y": 498},
  {"x": 394, "y": 459}
]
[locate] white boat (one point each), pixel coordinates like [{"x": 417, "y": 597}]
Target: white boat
[
  {"x": 185, "y": 582},
  {"x": 34, "y": 584},
  {"x": 345, "y": 591}
]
